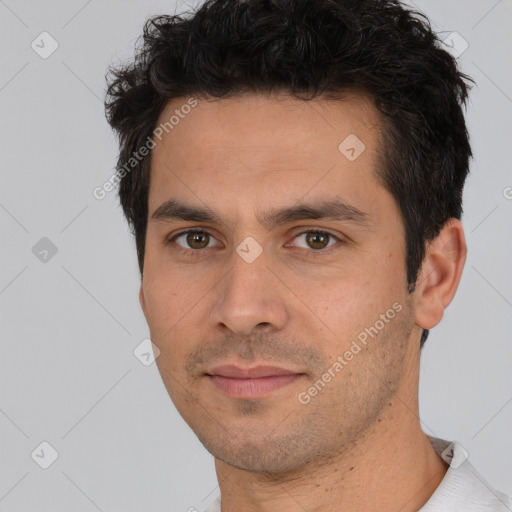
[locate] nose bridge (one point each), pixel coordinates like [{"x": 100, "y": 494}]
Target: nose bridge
[{"x": 248, "y": 296}]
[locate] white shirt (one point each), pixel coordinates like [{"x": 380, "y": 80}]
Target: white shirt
[{"x": 461, "y": 490}]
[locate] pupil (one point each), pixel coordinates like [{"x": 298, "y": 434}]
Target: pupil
[
  {"x": 197, "y": 240},
  {"x": 200, "y": 240},
  {"x": 317, "y": 240}
]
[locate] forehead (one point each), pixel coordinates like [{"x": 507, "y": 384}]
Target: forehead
[
  {"x": 269, "y": 120},
  {"x": 265, "y": 146}
]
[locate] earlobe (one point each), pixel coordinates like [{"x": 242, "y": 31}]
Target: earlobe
[{"x": 440, "y": 274}]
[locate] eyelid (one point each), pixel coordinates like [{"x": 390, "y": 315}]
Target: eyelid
[
  {"x": 173, "y": 238},
  {"x": 313, "y": 229},
  {"x": 298, "y": 232},
  {"x": 314, "y": 253}
]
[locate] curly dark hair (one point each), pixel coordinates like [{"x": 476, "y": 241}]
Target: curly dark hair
[{"x": 307, "y": 48}]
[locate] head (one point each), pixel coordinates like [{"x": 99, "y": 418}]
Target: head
[{"x": 261, "y": 120}]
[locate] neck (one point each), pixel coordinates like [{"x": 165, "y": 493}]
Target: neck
[{"x": 392, "y": 464}]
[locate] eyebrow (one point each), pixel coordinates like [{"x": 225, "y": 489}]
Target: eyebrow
[{"x": 173, "y": 210}]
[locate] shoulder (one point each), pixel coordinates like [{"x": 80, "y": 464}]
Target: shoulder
[
  {"x": 214, "y": 506},
  {"x": 463, "y": 488}
]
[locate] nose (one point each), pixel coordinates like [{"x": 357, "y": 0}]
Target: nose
[{"x": 250, "y": 298}]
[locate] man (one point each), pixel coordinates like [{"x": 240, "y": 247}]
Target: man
[{"x": 293, "y": 174}]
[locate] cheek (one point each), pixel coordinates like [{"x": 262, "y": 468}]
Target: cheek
[
  {"x": 177, "y": 303},
  {"x": 345, "y": 306},
  {"x": 169, "y": 290},
  {"x": 166, "y": 304}
]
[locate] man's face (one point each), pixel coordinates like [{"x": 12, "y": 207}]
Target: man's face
[{"x": 247, "y": 293}]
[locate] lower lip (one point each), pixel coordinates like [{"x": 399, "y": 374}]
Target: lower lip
[{"x": 252, "y": 388}]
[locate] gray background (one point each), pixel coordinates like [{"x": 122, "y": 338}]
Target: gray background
[{"x": 69, "y": 324}]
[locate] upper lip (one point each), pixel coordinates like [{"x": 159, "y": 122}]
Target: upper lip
[{"x": 236, "y": 372}]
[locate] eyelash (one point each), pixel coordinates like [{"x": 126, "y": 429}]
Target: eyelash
[{"x": 199, "y": 252}]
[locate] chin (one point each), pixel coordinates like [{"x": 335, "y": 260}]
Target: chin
[{"x": 264, "y": 456}]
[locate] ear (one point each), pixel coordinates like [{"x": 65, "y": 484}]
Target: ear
[{"x": 440, "y": 274}]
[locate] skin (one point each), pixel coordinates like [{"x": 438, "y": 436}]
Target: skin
[{"x": 357, "y": 443}]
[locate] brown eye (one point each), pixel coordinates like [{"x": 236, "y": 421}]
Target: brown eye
[
  {"x": 198, "y": 240},
  {"x": 193, "y": 240},
  {"x": 316, "y": 240}
]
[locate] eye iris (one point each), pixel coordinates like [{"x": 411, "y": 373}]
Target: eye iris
[
  {"x": 317, "y": 240},
  {"x": 198, "y": 240}
]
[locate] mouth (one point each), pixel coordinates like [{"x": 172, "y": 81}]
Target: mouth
[{"x": 256, "y": 382}]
